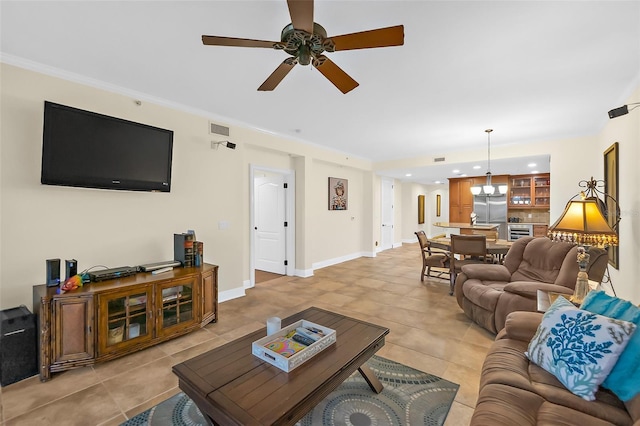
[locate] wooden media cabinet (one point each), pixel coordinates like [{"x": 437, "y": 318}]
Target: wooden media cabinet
[{"x": 109, "y": 319}]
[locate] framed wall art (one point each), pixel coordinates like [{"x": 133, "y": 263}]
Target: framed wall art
[
  {"x": 338, "y": 193},
  {"x": 438, "y": 205},
  {"x": 420, "y": 208},
  {"x": 611, "y": 188}
]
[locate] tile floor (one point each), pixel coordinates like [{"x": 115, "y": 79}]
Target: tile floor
[{"x": 428, "y": 332}]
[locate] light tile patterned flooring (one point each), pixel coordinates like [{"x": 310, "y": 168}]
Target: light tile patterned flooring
[{"x": 428, "y": 332}]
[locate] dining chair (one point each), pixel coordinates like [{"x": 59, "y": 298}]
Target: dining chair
[
  {"x": 470, "y": 249},
  {"x": 432, "y": 258}
]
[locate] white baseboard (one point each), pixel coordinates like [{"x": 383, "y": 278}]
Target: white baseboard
[
  {"x": 303, "y": 273},
  {"x": 334, "y": 261},
  {"x": 234, "y": 293},
  {"x": 247, "y": 284}
]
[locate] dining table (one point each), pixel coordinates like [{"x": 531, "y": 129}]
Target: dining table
[{"x": 497, "y": 248}]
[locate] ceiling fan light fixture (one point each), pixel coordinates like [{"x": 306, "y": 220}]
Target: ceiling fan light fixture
[{"x": 304, "y": 55}]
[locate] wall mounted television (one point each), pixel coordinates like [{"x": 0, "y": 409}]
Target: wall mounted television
[{"x": 86, "y": 149}]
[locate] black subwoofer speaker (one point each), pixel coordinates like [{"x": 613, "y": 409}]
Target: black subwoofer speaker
[{"x": 18, "y": 345}]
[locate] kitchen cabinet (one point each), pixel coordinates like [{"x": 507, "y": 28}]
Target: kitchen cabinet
[
  {"x": 460, "y": 199},
  {"x": 529, "y": 191},
  {"x": 540, "y": 230}
]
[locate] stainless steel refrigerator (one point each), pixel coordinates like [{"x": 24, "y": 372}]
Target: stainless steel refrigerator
[{"x": 492, "y": 209}]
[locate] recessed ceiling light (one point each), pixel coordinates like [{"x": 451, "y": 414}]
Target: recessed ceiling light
[
  {"x": 534, "y": 171},
  {"x": 531, "y": 165},
  {"x": 438, "y": 181},
  {"x": 463, "y": 175},
  {"x": 476, "y": 167},
  {"x": 456, "y": 171},
  {"x": 408, "y": 175}
]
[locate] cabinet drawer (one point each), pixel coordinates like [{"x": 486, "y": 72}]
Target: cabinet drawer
[{"x": 540, "y": 230}]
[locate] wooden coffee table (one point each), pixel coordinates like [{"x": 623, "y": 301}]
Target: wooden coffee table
[{"x": 231, "y": 386}]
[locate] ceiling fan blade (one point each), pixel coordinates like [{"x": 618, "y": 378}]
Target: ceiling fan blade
[
  {"x": 382, "y": 37},
  {"x": 238, "y": 42},
  {"x": 301, "y": 12},
  {"x": 276, "y": 77},
  {"x": 335, "y": 74}
]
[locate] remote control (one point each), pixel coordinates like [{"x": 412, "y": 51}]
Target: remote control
[
  {"x": 307, "y": 333},
  {"x": 303, "y": 339},
  {"x": 159, "y": 271}
]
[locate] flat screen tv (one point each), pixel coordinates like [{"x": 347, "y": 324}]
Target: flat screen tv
[{"x": 86, "y": 149}]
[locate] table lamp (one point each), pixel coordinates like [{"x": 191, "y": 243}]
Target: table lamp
[{"x": 583, "y": 222}]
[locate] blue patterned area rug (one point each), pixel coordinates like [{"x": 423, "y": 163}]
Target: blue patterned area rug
[{"x": 409, "y": 397}]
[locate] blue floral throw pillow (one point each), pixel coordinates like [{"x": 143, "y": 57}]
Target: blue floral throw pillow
[{"x": 578, "y": 347}]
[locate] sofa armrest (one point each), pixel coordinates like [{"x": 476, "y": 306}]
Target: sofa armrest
[
  {"x": 487, "y": 272},
  {"x": 521, "y": 325},
  {"x": 633, "y": 407},
  {"x": 529, "y": 289}
]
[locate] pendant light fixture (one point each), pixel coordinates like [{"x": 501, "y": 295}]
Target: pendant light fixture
[{"x": 488, "y": 188}]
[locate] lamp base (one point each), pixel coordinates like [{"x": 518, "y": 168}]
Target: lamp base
[{"x": 582, "y": 288}]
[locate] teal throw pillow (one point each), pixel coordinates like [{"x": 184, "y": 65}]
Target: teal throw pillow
[
  {"x": 578, "y": 347},
  {"x": 624, "y": 379}
]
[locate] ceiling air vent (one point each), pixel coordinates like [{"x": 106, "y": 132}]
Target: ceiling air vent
[
  {"x": 218, "y": 129},
  {"x": 438, "y": 159}
]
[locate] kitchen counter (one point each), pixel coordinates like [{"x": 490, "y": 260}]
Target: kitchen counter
[{"x": 462, "y": 225}]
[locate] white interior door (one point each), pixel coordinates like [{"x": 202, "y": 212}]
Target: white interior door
[
  {"x": 270, "y": 224},
  {"x": 386, "y": 234}
]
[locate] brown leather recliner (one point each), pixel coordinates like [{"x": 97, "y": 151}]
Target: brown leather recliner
[{"x": 488, "y": 293}]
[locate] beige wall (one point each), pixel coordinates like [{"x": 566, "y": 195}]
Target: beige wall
[
  {"x": 117, "y": 228},
  {"x": 336, "y": 235},
  {"x": 100, "y": 227},
  {"x": 626, "y": 131}
]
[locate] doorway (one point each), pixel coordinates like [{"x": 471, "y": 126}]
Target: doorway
[
  {"x": 272, "y": 211},
  {"x": 386, "y": 233}
]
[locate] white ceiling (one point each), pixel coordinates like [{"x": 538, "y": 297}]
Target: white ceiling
[{"x": 532, "y": 71}]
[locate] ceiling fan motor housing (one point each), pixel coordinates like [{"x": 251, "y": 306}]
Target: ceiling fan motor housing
[{"x": 305, "y": 46}]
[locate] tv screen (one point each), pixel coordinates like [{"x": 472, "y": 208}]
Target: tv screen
[{"x": 86, "y": 149}]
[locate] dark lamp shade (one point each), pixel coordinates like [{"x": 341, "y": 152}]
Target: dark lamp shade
[{"x": 583, "y": 223}]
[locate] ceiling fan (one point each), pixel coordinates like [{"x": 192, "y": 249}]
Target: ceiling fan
[{"x": 306, "y": 40}]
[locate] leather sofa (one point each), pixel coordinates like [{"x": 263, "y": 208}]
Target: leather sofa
[
  {"x": 514, "y": 391},
  {"x": 488, "y": 293}
]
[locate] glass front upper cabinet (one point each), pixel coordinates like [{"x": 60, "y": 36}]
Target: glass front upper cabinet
[{"x": 529, "y": 191}]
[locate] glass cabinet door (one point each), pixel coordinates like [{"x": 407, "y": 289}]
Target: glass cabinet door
[
  {"x": 176, "y": 305},
  {"x": 542, "y": 193},
  {"x": 520, "y": 192},
  {"x": 126, "y": 319}
]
